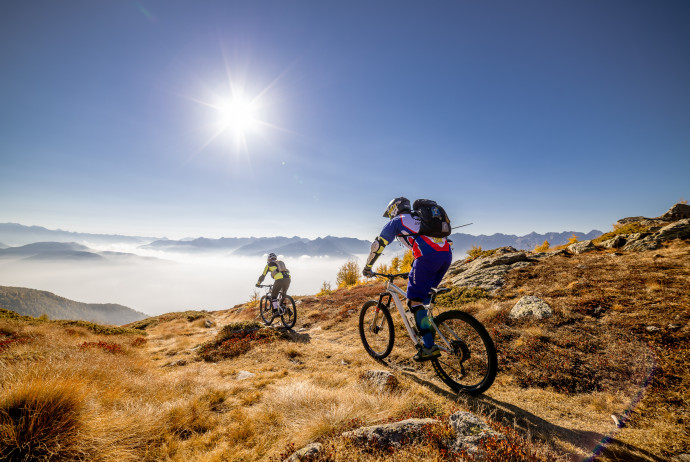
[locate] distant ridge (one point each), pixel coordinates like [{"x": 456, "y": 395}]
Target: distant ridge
[
  {"x": 32, "y": 302},
  {"x": 329, "y": 246},
  {"x": 14, "y": 234}
]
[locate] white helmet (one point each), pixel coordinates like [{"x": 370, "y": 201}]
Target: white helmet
[{"x": 271, "y": 257}]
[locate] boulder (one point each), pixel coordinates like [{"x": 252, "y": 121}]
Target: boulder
[
  {"x": 581, "y": 247},
  {"x": 243, "y": 375},
  {"x": 677, "y": 230},
  {"x": 486, "y": 272},
  {"x": 470, "y": 431},
  {"x": 309, "y": 452},
  {"x": 383, "y": 380},
  {"x": 393, "y": 434},
  {"x": 531, "y": 306},
  {"x": 677, "y": 212},
  {"x": 613, "y": 243}
]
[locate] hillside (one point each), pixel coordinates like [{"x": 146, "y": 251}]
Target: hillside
[
  {"x": 32, "y": 302},
  {"x": 604, "y": 378}
]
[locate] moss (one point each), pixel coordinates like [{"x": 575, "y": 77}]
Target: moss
[{"x": 459, "y": 296}]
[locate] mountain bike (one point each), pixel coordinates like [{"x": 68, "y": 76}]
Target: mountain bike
[
  {"x": 468, "y": 360},
  {"x": 287, "y": 309}
]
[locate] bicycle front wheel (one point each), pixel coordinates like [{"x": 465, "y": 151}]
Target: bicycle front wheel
[
  {"x": 266, "y": 309},
  {"x": 376, "y": 329},
  {"x": 289, "y": 317},
  {"x": 471, "y": 364}
]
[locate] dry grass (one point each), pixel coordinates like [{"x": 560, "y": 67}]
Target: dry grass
[{"x": 619, "y": 317}]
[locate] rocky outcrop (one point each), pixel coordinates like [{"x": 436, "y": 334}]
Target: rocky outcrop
[
  {"x": 531, "y": 306},
  {"x": 393, "y": 434},
  {"x": 677, "y": 212},
  {"x": 486, "y": 272},
  {"x": 307, "y": 453},
  {"x": 470, "y": 431},
  {"x": 581, "y": 247},
  {"x": 675, "y": 230}
]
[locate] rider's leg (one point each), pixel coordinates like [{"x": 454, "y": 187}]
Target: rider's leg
[
  {"x": 427, "y": 272},
  {"x": 418, "y": 286},
  {"x": 274, "y": 293}
]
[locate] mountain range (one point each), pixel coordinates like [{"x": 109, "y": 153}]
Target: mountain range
[
  {"x": 31, "y": 302},
  {"x": 58, "y": 244}
]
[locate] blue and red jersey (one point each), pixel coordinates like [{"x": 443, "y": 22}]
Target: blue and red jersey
[{"x": 405, "y": 227}]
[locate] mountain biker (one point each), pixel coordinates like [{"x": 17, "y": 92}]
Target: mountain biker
[
  {"x": 432, "y": 257},
  {"x": 280, "y": 275}
]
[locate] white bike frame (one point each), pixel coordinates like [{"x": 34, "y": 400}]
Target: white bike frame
[{"x": 408, "y": 318}]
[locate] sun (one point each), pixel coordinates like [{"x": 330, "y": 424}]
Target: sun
[{"x": 237, "y": 115}]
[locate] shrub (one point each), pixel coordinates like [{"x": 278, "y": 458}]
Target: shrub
[
  {"x": 348, "y": 274},
  {"x": 542, "y": 248},
  {"x": 41, "y": 421},
  {"x": 236, "y": 339},
  {"x": 325, "y": 289},
  {"x": 406, "y": 264},
  {"x": 105, "y": 346}
]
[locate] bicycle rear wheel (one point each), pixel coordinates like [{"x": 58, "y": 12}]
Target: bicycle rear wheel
[
  {"x": 376, "y": 329},
  {"x": 472, "y": 364},
  {"x": 290, "y": 316},
  {"x": 266, "y": 309}
]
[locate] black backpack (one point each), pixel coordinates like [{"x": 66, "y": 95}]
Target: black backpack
[{"x": 434, "y": 221}]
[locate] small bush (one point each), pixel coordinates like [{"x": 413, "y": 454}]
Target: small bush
[
  {"x": 236, "y": 339},
  {"x": 105, "y": 346},
  {"x": 325, "y": 289},
  {"x": 543, "y": 248},
  {"x": 348, "y": 274},
  {"x": 41, "y": 421},
  {"x": 477, "y": 252}
]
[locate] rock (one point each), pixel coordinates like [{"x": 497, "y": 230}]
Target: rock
[
  {"x": 242, "y": 375},
  {"x": 653, "y": 329},
  {"x": 179, "y": 362},
  {"x": 208, "y": 324},
  {"x": 581, "y": 247},
  {"x": 549, "y": 254},
  {"x": 677, "y": 212},
  {"x": 486, "y": 272},
  {"x": 309, "y": 452},
  {"x": 383, "y": 380},
  {"x": 613, "y": 243},
  {"x": 531, "y": 306},
  {"x": 470, "y": 431},
  {"x": 390, "y": 434},
  {"x": 676, "y": 230}
]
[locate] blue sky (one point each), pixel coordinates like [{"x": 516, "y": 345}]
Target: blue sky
[{"x": 518, "y": 116}]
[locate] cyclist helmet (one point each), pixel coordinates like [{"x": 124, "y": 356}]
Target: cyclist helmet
[
  {"x": 272, "y": 257},
  {"x": 397, "y": 206}
]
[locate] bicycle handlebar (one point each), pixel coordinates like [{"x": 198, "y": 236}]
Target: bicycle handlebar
[
  {"x": 392, "y": 276},
  {"x": 265, "y": 285}
]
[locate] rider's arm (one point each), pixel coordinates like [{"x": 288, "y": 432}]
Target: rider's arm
[
  {"x": 261, "y": 278},
  {"x": 376, "y": 249}
]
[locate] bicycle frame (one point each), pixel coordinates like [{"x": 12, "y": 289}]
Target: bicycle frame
[{"x": 395, "y": 292}]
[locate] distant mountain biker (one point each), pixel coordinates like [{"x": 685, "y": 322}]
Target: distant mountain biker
[
  {"x": 280, "y": 275},
  {"x": 432, "y": 257}
]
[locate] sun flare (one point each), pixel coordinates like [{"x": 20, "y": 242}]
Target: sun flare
[{"x": 237, "y": 115}]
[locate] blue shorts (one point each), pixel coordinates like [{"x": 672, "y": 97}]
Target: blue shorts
[{"x": 427, "y": 272}]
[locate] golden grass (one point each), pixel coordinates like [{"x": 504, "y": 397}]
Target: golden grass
[{"x": 156, "y": 399}]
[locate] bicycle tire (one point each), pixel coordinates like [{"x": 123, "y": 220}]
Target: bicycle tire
[
  {"x": 472, "y": 368},
  {"x": 266, "y": 310},
  {"x": 380, "y": 335},
  {"x": 290, "y": 316}
]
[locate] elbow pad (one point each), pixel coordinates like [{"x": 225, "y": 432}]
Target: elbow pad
[{"x": 376, "y": 249}]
